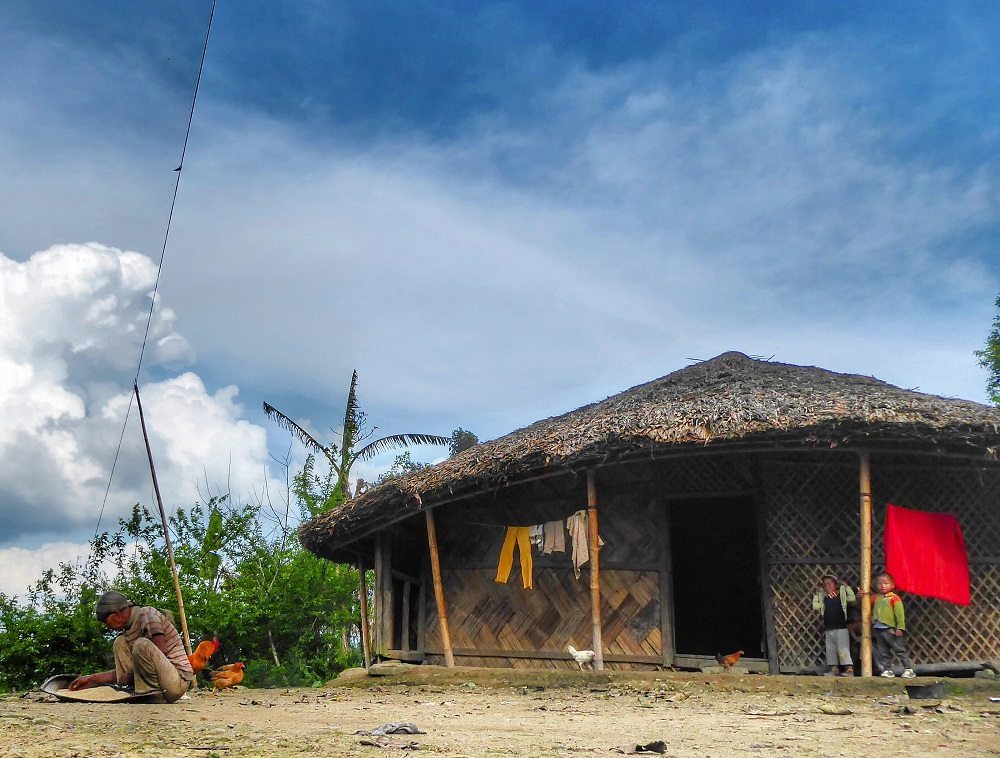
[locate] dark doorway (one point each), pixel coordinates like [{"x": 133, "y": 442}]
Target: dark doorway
[{"x": 716, "y": 571}]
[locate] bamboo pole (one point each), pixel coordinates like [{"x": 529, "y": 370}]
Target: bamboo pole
[
  {"x": 432, "y": 544},
  {"x": 366, "y": 645},
  {"x": 163, "y": 520},
  {"x": 595, "y": 569},
  {"x": 865, "y": 477}
]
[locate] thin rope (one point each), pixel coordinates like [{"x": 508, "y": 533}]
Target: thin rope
[
  {"x": 159, "y": 267},
  {"x": 114, "y": 464},
  {"x": 177, "y": 183}
]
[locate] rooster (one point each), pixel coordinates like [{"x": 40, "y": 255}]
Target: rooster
[
  {"x": 582, "y": 657},
  {"x": 228, "y": 676},
  {"x": 204, "y": 651},
  {"x": 728, "y": 661}
]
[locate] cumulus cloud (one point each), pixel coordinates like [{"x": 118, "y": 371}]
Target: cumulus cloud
[
  {"x": 72, "y": 320},
  {"x": 20, "y": 567}
]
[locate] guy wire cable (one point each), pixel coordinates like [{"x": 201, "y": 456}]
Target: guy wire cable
[{"x": 159, "y": 267}]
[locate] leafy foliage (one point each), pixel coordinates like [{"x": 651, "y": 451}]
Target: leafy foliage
[
  {"x": 461, "y": 440},
  {"x": 404, "y": 464},
  {"x": 989, "y": 358},
  {"x": 245, "y": 578},
  {"x": 342, "y": 456}
]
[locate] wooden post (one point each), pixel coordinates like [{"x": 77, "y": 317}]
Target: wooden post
[
  {"x": 404, "y": 637},
  {"x": 366, "y": 643},
  {"x": 766, "y": 593},
  {"x": 866, "y": 564},
  {"x": 432, "y": 544},
  {"x": 666, "y": 588},
  {"x": 163, "y": 520},
  {"x": 595, "y": 570},
  {"x": 383, "y": 594}
]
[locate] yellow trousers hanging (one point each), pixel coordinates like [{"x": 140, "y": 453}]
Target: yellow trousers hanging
[{"x": 518, "y": 535}]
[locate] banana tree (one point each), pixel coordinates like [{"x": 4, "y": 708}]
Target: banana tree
[{"x": 343, "y": 456}]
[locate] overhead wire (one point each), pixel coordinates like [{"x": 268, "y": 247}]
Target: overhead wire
[{"x": 159, "y": 266}]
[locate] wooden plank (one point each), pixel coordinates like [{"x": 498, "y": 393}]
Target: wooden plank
[
  {"x": 865, "y": 486},
  {"x": 449, "y": 658},
  {"x": 366, "y": 643},
  {"x": 666, "y": 590},
  {"x": 595, "y": 570},
  {"x": 766, "y": 595},
  {"x": 697, "y": 661},
  {"x": 383, "y": 593},
  {"x": 422, "y": 608},
  {"x": 408, "y": 656},
  {"x": 404, "y": 577},
  {"x": 404, "y": 642}
]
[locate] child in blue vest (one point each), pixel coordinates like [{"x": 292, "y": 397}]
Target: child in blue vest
[
  {"x": 888, "y": 628},
  {"x": 832, "y": 602}
]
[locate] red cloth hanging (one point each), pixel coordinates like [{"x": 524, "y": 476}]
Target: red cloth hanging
[{"x": 925, "y": 553}]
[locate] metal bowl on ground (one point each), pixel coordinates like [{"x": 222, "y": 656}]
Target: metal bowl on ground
[
  {"x": 934, "y": 691},
  {"x": 58, "y": 687}
]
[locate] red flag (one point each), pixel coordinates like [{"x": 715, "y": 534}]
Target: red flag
[{"x": 925, "y": 553}]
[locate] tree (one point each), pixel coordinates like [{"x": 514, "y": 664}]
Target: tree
[
  {"x": 342, "y": 456},
  {"x": 246, "y": 579},
  {"x": 989, "y": 358},
  {"x": 461, "y": 439}
]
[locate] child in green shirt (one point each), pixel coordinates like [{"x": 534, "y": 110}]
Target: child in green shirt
[{"x": 888, "y": 628}]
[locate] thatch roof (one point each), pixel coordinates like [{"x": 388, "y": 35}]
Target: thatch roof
[{"x": 731, "y": 401}]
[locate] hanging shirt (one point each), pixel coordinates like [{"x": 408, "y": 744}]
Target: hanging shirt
[
  {"x": 535, "y": 534},
  {"x": 925, "y": 553},
  {"x": 576, "y": 525},
  {"x": 554, "y": 533}
]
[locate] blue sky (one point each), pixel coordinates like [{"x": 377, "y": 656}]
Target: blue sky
[{"x": 494, "y": 211}]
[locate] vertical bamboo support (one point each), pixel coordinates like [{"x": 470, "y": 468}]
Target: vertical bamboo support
[
  {"x": 383, "y": 595},
  {"x": 163, "y": 519},
  {"x": 432, "y": 544},
  {"x": 866, "y": 564},
  {"x": 366, "y": 643},
  {"x": 595, "y": 569}
]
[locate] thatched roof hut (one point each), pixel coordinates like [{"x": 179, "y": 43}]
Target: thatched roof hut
[
  {"x": 767, "y": 450},
  {"x": 730, "y": 401}
]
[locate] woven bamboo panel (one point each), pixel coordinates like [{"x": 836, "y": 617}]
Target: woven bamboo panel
[
  {"x": 535, "y": 663},
  {"x": 484, "y": 615},
  {"x": 812, "y": 525},
  {"x": 705, "y": 474}
]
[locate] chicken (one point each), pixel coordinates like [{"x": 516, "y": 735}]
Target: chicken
[
  {"x": 728, "y": 661},
  {"x": 232, "y": 676},
  {"x": 227, "y": 667},
  {"x": 204, "y": 651},
  {"x": 582, "y": 657}
]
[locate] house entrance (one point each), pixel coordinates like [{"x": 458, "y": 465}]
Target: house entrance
[{"x": 716, "y": 573}]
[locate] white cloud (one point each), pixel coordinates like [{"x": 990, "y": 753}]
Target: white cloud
[
  {"x": 72, "y": 320},
  {"x": 20, "y": 568}
]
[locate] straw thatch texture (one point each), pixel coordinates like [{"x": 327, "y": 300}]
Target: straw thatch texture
[{"x": 731, "y": 400}]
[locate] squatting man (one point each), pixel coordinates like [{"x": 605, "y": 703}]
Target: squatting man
[{"x": 149, "y": 654}]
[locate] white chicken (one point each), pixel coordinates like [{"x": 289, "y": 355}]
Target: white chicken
[{"x": 582, "y": 657}]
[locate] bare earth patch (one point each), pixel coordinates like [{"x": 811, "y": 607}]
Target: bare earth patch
[{"x": 475, "y": 712}]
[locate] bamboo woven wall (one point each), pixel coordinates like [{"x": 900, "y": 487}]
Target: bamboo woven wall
[
  {"x": 810, "y": 505},
  {"x": 490, "y": 617},
  {"x": 813, "y": 529}
]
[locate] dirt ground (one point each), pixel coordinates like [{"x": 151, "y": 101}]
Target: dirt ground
[{"x": 477, "y": 712}]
